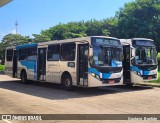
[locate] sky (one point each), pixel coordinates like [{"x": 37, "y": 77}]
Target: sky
[{"x": 36, "y": 15}]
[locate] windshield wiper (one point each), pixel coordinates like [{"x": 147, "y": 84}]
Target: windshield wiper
[{"x": 107, "y": 46}]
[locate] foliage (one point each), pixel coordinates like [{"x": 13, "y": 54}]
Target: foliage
[
  {"x": 15, "y": 39},
  {"x": 2, "y": 67},
  {"x": 140, "y": 19},
  {"x": 40, "y": 38},
  {"x": 12, "y": 40},
  {"x": 158, "y": 59},
  {"x": 137, "y": 19},
  {"x": 64, "y": 31},
  {"x": 76, "y": 29}
]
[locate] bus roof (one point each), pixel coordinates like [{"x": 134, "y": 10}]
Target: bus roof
[
  {"x": 4, "y": 2},
  {"x": 105, "y": 37},
  {"x": 26, "y": 46},
  {"x": 142, "y": 39},
  {"x": 11, "y": 47},
  {"x": 81, "y": 39}
]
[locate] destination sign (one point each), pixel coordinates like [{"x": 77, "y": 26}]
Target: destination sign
[
  {"x": 144, "y": 43},
  {"x": 104, "y": 41}
]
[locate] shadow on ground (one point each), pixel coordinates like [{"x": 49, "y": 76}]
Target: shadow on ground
[{"x": 55, "y": 92}]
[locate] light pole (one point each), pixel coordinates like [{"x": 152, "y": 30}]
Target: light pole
[{"x": 16, "y": 24}]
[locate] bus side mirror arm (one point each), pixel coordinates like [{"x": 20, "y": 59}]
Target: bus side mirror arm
[
  {"x": 132, "y": 52},
  {"x": 90, "y": 52}
]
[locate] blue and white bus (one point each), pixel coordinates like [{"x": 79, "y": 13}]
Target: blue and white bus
[
  {"x": 87, "y": 62},
  {"x": 140, "y": 63}
]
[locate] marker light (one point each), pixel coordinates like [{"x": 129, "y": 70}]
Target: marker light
[
  {"x": 93, "y": 74},
  {"x": 97, "y": 77}
]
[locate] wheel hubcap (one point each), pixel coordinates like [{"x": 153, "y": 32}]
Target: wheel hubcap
[
  {"x": 23, "y": 77},
  {"x": 67, "y": 82}
]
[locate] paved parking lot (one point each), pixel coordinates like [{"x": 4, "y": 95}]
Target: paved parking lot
[{"x": 40, "y": 98}]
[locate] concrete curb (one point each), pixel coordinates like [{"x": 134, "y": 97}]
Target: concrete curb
[{"x": 149, "y": 84}]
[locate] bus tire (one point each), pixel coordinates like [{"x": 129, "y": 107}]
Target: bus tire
[
  {"x": 24, "y": 77},
  {"x": 129, "y": 84},
  {"x": 67, "y": 82}
]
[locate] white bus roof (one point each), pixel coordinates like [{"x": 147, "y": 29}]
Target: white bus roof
[
  {"x": 142, "y": 39},
  {"x": 81, "y": 39},
  {"x": 106, "y": 37},
  {"x": 11, "y": 47},
  {"x": 4, "y": 2}
]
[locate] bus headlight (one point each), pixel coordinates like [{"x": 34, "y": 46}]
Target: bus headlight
[
  {"x": 156, "y": 76},
  {"x": 100, "y": 75},
  {"x": 97, "y": 77},
  {"x": 139, "y": 73},
  {"x": 93, "y": 74}
]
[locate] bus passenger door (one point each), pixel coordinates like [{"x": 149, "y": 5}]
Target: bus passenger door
[
  {"x": 15, "y": 62},
  {"x": 41, "y": 64},
  {"x": 126, "y": 65},
  {"x": 82, "y": 64}
]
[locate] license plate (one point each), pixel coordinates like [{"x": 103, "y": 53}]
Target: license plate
[
  {"x": 111, "y": 82},
  {"x": 149, "y": 77}
]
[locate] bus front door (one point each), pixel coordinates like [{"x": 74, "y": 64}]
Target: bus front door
[
  {"x": 126, "y": 65},
  {"x": 82, "y": 65},
  {"x": 41, "y": 65},
  {"x": 15, "y": 62}
]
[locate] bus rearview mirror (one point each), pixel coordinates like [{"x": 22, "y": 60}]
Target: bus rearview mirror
[{"x": 132, "y": 52}]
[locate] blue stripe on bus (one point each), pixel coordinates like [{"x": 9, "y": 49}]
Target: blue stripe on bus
[
  {"x": 35, "y": 70},
  {"x": 104, "y": 75},
  {"x": 133, "y": 68},
  {"x": 26, "y": 46},
  {"x": 92, "y": 70},
  {"x": 29, "y": 64},
  {"x": 144, "y": 72}
]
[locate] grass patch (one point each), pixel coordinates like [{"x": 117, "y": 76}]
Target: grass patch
[
  {"x": 2, "y": 67},
  {"x": 158, "y": 57},
  {"x": 158, "y": 81}
]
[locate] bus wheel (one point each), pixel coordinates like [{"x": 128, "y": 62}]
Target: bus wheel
[
  {"x": 67, "y": 82},
  {"x": 129, "y": 84},
  {"x": 23, "y": 77}
]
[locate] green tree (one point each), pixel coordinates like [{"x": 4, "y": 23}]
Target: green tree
[
  {"x": 15, "y": 39},
  {"x": 94, "y": 27},
  {"x": 110, "y": 25},
  {"x": 64, "y": 31},
  {"x": 40, "y": 38},
  {"x": 12, "y": 40},
  {"x": 140, "y": 19},
  {"x": 75, "y": 30}
]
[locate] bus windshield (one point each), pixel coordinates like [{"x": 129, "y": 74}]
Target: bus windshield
[
  {"x": 145, "y": 55},
  {"x": 110, "y": 56}
]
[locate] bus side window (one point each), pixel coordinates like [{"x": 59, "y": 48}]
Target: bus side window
[
  {"x": 68, "y": 52},
  {"x": 9, "y": 56},
  {"x": 23, "y": 54},
  {"x": 32, "y": 54},
  {"x": 53, "y": 52}
]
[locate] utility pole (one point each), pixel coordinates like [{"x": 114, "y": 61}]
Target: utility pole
[{"x": 16, "y": 24}]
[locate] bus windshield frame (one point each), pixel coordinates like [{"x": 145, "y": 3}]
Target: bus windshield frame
[
  {"x": 107, "y": 52},
  {"x": 145, "y": 55}
]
